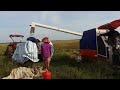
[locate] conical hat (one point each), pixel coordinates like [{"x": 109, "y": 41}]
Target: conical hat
[{"x": 45, "y": 39}]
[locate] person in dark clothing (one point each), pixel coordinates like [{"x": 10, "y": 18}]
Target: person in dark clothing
[
  {"x": 112, "y": 34},
  {"x": 39, "y": 43}
]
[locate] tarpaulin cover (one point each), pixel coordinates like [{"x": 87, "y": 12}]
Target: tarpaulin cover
[
  {"x": 88, "y": 40},
  {"x": 25, "y": 51},
  {"x": 32, "y": 39}
]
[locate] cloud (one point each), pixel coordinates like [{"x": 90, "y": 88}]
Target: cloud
[
  {"x": 50, "y": 17},
  {"x": 78, "y": 21}
]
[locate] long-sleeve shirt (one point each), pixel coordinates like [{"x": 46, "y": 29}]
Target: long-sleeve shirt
[{"x": 46, "y": 50}]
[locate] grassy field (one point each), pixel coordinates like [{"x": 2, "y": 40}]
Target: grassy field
[{"x": 64, "y": 66}]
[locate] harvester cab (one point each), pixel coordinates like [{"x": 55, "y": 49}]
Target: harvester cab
[{"x": 12, "y": 45}]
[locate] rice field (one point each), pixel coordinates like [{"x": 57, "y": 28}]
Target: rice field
[{"x": 63, "y": 64}]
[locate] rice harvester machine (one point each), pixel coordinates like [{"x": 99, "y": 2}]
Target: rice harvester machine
[
  {"x": 12, "y": 45},
  {"x": 92, "y": 45}
]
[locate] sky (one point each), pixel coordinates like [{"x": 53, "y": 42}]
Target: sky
[{"x": 18, "y": 22}]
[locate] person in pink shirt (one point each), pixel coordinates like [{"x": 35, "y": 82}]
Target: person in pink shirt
[{"x": 46, "y": 52}]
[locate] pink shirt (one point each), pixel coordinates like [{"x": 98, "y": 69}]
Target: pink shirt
[{"x": 46, "y": 50}]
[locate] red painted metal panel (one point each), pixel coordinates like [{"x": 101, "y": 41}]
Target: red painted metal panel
[{"x": 88, "y": 53}]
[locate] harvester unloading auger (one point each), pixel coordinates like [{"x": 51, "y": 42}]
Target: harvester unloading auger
[{"x": 33, "y": 25}]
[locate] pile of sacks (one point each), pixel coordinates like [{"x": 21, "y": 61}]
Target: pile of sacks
[{"x": 25, "y": 73}]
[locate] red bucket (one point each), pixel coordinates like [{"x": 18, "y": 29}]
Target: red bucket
[{"x": 47, "y": 75}]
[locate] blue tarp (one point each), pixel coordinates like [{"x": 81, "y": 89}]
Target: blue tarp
[
  {"x": 32, "y": 39},
  {"x": 88, "y": 40}
]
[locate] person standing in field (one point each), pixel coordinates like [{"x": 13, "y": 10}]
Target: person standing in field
[
  {"x": 46, "y": 52},
  {"x": 52, "y": 47},
  {"x": 39, "y": 43},
  {"x": 112, "y": 34}
]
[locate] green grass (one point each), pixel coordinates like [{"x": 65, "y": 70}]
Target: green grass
[
  {"x": 66, "y": 44},
  {"x": 2, "y": 48},
  {"x": 64, "y": 67}
]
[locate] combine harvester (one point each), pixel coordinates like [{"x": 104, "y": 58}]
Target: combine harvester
[{"x": 91, "y": 45}]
